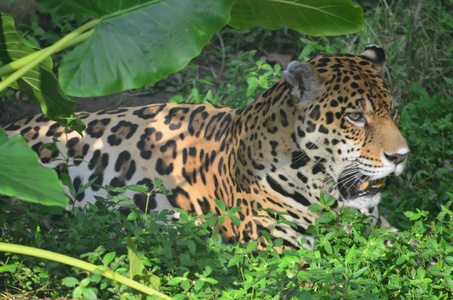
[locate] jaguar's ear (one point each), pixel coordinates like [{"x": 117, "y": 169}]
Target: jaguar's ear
[
  {"x": 304, "y": 83},
  {"x": 376, "y": 55}
]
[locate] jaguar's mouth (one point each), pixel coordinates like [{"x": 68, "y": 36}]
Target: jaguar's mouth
[{"x": 358, "y": 185}]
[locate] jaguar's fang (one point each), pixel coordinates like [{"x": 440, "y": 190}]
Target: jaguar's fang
[
  {"x": 364, "y": 186},
  {"x": 373, "y": 184}
]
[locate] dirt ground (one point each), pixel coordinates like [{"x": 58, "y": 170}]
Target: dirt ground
[
  {"x": 18, "y": 107},
  {"x": 12, "y": 109}
]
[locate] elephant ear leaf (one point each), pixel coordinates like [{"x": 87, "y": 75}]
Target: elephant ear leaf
[
  {"x": 312, "y": 17},
  {"x": 136, "y": 42}
]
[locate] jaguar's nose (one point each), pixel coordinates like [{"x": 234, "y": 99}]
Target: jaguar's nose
[{"x": 396, "y": 158}]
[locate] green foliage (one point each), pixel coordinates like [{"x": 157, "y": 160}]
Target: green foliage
[
  {"x": 118, "y": 57},
  {"x": 184, "y": 260},
  {"x": 37, "y": 78},
  {"x": 418, "y": 42},
  {"x": 19, "y": 171},
  {"x": 44, "y": 34},
  {"x": 82, "y": 286},
  {"x": 258, "y": 76},
  {"x": 420, "y": 56},
  {"x": 312, "y": 17},
  {"x": 426, "y": 122}
]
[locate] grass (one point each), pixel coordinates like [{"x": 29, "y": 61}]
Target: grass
[{"x": 188, "y": 261}]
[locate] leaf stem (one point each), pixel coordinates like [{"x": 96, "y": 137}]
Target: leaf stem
[
  {"x": 15, "y": 65},
  {"x": 49, "y": 255},
  {"x": 30, "y": 61}
]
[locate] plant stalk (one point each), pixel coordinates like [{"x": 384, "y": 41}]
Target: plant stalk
[
  {"x": 28, "y": 63},
  {"x": 49, "y": 255},
  {"x": 15, "y": 65}
]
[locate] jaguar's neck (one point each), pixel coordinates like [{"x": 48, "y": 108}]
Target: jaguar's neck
[
  {"x": 268, "y": 125},
  {"x": 262, "y": 134},
  {"x": 267, "y": 156}
]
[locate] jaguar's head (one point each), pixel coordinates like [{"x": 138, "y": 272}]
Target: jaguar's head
[{"x": 348, "y": 120}]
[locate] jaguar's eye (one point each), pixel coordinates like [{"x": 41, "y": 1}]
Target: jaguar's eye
[{"x": 356, "y": 117}]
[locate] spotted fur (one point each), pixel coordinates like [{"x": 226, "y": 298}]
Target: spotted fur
[{"x": 330, "y": 124}]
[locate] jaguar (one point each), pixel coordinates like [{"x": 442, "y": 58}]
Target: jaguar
[{"x": 330, "y": 124}]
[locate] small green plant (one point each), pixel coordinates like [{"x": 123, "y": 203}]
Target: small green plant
[{"x": 246, "y": 80}]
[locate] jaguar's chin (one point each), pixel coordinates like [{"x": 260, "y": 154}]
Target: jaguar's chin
[{"x": 353, "y": 185}]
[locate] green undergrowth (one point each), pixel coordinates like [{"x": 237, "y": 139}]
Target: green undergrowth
[
  {"x": 186, "y": 261},
  {"x": 426, "y": 184}
]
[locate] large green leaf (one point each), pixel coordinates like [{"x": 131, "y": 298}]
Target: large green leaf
[
  {"x": 22, "y": 176},
  {"x": 95, "y": 8},
  {"x": 312, "y": 17},
  {"x": 40, "y": 84},
  {"x": 137, "y": 43}
]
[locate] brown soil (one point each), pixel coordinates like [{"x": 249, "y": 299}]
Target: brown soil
[{"x": 14, "y": 109}]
